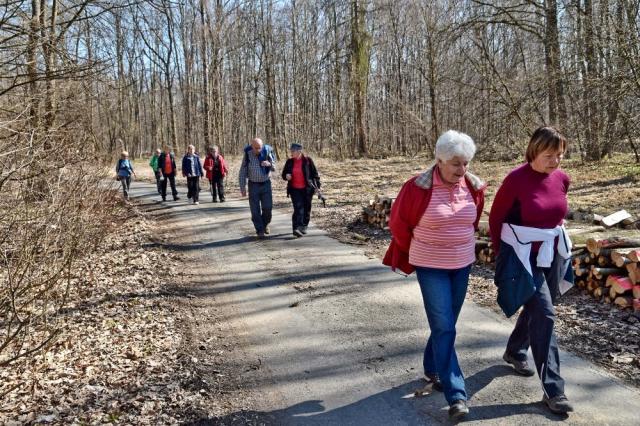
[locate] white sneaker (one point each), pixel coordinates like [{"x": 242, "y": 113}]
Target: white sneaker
[{"x": 196, "y": 202}]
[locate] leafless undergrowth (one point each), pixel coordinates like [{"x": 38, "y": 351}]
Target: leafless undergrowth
[{"x": 50, "y": 215}]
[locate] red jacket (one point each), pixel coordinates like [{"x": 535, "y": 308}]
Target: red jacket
[
  {"x": 208, "y": 166},
  {"x": 407, "y": 210}
]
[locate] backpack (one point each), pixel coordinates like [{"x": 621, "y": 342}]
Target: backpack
[{"x": 266, "y": 153}]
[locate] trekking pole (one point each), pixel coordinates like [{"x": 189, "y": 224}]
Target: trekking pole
[{"x": 320, "y": 195}]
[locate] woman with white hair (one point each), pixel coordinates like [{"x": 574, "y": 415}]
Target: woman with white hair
[{"x": 433, "y": 223}]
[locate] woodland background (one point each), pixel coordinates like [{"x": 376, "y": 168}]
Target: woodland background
[{"x": 81, "y": 80}]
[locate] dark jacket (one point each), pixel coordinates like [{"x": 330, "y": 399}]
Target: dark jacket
[
  {"x": 191, "y": 162},
  {"x": 309, "y": 171},
  {"x": 407, "y": 210},
  {"x": 161, "y": 160},
  {"x": 516, "y": 286}
]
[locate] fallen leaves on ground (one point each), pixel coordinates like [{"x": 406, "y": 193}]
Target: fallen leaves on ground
[{"x": 118, "y": 357}]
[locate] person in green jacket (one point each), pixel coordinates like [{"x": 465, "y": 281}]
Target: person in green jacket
[{"x": 156, "y": 171}]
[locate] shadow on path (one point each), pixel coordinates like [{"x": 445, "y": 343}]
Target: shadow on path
[{"x": 433, "y": 408}]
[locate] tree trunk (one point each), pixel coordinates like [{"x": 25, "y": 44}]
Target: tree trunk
[{"x": 360, "y": 50}]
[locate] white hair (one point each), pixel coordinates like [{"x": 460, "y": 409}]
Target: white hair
[{"x": 455, "y": 144}]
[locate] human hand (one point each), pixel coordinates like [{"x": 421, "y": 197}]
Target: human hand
[
  {"x": 243, "y": 192},
  {"x": 265, "y": 163},
  {"x": 288, "y": 176}
]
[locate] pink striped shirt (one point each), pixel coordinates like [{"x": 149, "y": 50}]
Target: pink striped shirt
[{"x": 444, "y": 237}]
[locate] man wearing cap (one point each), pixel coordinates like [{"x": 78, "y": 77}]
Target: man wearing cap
[
  {"x": 257, "y": 166},
  {"x": 302, "y": 181}
]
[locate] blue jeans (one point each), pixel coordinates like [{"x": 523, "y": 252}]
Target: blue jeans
[
  {"x": 261, "y": 204},
  {"x": 443, "y": 292},
  {"x": 535, "y": 327}
]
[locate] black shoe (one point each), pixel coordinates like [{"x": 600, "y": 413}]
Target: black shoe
[
  {"x": 260, "y": 236},
  {"x": 214, "y": 200},
  {"x": 164, "y": 198},
  {"x": 436, "y": 384},
  {"x": 521, "y": 367},
  {"x": 267, "y": 230},
  {"x": 303, "y": 229},
  {"x": 222, "y": 200},
  {"x": 558, "y": 404},
  {"x": 458, "y": 409},
  {"x": 297, "y": 232},
  {"x": 176, "y": 198}
]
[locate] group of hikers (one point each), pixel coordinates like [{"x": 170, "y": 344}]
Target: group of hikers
[
  {"x": 257, "y": 168},
  {"x": 433, "y": 222}
]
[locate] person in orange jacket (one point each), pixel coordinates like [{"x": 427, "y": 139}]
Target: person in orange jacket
[{"x": 216, "y": 169}]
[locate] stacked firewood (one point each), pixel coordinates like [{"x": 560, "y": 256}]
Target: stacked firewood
[
  {"x": 378, "y": 211},
  {"x": 608, "y": 271},
  {"x": 620, "y": 219}
]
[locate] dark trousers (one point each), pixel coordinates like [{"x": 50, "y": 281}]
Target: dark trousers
[
  {"x": 193, "y": 188},
  {"x": 163, "y": 186},
  {"x": 217, "y": 187},
  {"x": 535, "y": 327},
  {"x": 301, "y": 200},
  {"x": 126, "y": 183},
  {"x": 261, "y": 204},
  {"x": 158, "y": 182}
]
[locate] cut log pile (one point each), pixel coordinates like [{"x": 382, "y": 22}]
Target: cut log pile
[
  {"x": 620, "y": 219},
  {"x": 605, "y": 269},
  {"x": 377, "y": 212},
  {"x": 608, "y": 270}
]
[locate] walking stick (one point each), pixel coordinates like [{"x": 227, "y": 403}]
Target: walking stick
[{"x": 320, "y": 195}]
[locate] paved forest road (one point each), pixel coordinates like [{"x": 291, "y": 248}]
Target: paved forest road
[{"x": 340, "y": 337}]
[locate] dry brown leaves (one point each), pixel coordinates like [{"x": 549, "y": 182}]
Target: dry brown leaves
[{"x": 118, "y": 356}]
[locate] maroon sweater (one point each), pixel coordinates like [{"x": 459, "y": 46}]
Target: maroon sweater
[{"x": 529, "y": 198}]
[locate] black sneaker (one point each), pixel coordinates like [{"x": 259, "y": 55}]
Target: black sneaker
[
  {"x": 222, "y": 200},
  {"x": 303, "y": 229},
  {"x": 521, "y": 367},
  {"x": 558, "y": 404},
  {"x": 436, "y": 384},
  {"x": 176, "y": 198},
  {"x": 215, "y": 201},
  {"x": 458, "y": 409},
  {"x": 297, "y": 232},
  {"x": 260, "y": 236}
]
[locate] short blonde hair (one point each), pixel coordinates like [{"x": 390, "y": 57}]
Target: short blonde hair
[{"x": 124, "y": 154}]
